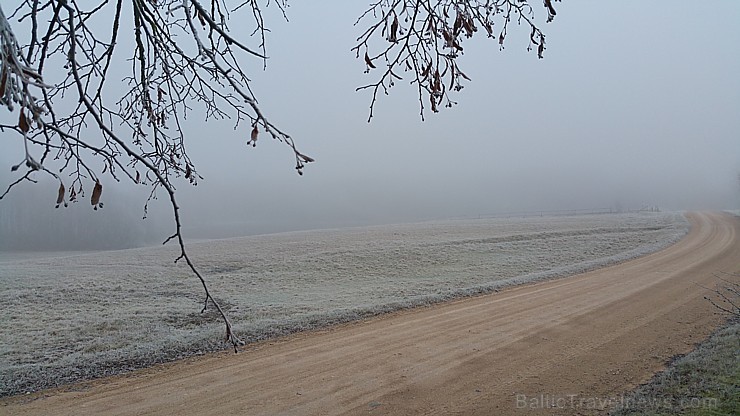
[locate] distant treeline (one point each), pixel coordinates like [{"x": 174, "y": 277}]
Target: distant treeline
[{"x": 563, "y": 212}]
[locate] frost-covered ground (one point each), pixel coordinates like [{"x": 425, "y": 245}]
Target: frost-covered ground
[{"x": 72, "y": 316}]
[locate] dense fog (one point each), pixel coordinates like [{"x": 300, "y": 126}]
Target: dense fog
[{"x": 633, "y": 106}]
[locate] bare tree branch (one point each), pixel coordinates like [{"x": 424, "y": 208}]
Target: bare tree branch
[
  {"x": 83, "y": 128},
  {"x": 183, "y": 55},
  {"x": 726, "y": 296},
  {"x": 423, "y": 39}
]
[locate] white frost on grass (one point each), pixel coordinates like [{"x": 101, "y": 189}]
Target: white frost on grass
[{"x": 77, "y": 316}]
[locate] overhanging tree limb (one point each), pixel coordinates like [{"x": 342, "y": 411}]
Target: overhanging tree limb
[
  {"x": 87, "y": 129},
  {"x": 421, "y": 40}
]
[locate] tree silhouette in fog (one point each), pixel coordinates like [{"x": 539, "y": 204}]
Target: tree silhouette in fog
[{"x": 84, "y": 124}]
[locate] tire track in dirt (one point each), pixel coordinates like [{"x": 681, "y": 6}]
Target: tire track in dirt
[{"x": 582, "y": 338}]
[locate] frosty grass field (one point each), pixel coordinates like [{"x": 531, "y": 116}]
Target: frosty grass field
[{"x": 73, "y": 316}]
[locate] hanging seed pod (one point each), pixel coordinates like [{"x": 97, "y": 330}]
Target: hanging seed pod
[
  {"x": 305, "y": 158},
  {"x": 253, "y": 136},
  {"x": 550, "y": 11},
  {"x": 23, "y": 123},
  {"x": 368, "y": 61},
  {"x": 60, "y": 196},
  {"x": 541, "y": 47},
  {"x": 393, "y": 37},
  {"x": 3, "y": 82},
  {"x": 97, "y": 191}
]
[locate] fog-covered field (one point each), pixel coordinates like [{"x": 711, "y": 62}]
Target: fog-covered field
[{"x": 71, "y": 316}]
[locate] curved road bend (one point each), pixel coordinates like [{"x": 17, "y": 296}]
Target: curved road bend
[{"x": 568, "y": 342}]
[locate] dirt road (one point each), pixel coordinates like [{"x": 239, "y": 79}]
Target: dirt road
[{"x": 559, "y": 347}]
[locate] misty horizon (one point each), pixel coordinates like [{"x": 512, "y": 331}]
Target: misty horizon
[{"x": 628, "y": 109}]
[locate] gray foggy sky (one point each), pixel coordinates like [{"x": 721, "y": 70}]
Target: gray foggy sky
[{"x": 636, "y": 103}]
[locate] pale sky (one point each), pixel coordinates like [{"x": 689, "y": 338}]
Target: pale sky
[{"x": 636, "y": 103}]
